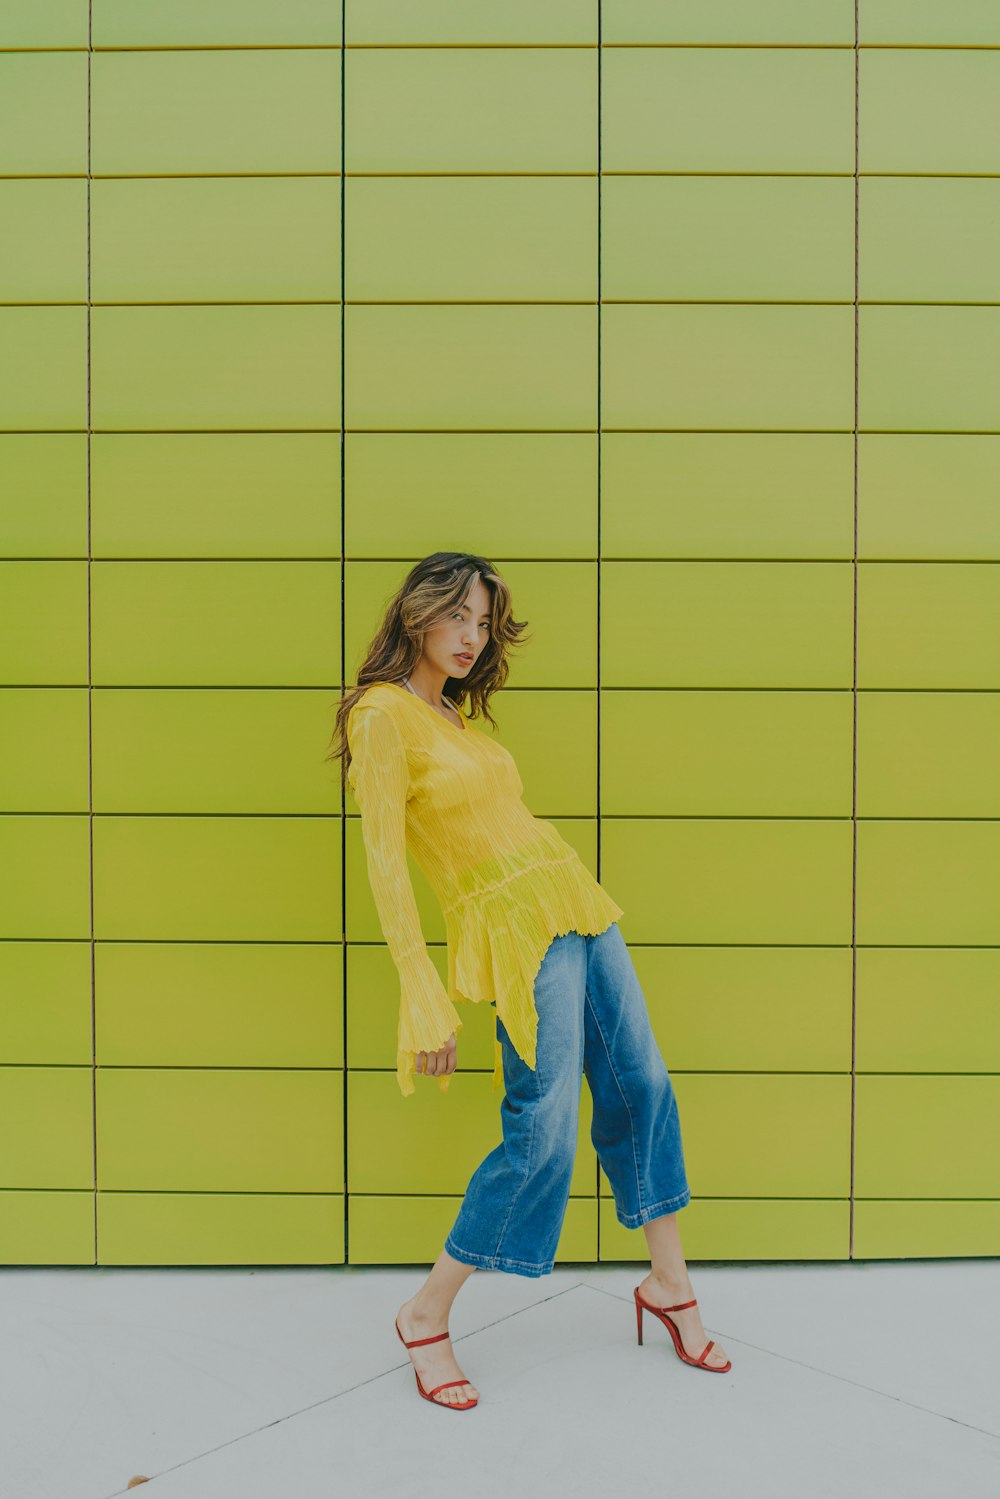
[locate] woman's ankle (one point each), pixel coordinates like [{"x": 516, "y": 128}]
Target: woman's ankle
[
  {"x": 426, "y": 1309},
  {"x": 674, "y": 1284}
]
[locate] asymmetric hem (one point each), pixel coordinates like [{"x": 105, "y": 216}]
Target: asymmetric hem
[{"x": 507, "y": 881}]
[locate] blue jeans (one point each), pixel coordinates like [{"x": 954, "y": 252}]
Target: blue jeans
[{"x": 592, "y": 1020}]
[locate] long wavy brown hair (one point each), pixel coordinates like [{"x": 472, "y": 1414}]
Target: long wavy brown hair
[{"x": 430, "y": 590}]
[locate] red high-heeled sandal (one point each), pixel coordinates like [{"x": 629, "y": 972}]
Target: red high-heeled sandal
[
  {"x": 671, "y": 1326},
  {"x": 459, "y": 1405}
]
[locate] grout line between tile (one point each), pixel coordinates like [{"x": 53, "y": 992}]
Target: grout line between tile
[
  {"x": 857, "y": 1384},
  {"x": 349, "y": 1389}
]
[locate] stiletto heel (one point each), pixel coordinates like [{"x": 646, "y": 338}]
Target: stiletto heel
[
  {"x": 462, "y": 1405},
  {"x": 671, "y": 1326}
]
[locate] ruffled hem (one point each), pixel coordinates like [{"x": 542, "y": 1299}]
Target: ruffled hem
[
  {"x": 426, "y": 1020},
  {"x": 496, "y": 943}
]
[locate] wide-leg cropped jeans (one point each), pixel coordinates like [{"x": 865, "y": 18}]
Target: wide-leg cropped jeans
[{"x": 593, "y": 1021}]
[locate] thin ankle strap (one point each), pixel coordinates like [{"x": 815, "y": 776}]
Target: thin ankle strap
[
  {"x": 680, "y": 1307},
  {"x": 416, "y": 1343}
]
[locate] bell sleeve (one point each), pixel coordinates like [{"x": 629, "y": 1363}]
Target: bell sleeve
[{"x": 379, "y": 777}]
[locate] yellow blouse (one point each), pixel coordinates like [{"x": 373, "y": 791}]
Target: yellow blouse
[{"x": 507, "y": 881}]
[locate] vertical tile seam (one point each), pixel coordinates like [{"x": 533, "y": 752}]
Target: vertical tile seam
[
  {"x": 600, "y": 825},
  {"x": 854, "y": 664},
  {"x": 90, "y": 669},
  {"x": 343, "y": 648}
]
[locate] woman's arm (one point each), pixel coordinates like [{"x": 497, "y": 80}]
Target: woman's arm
[{"x": 379, "y": 778}]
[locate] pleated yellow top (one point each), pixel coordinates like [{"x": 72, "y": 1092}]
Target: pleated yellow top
[{"x": 507, "y": 881}]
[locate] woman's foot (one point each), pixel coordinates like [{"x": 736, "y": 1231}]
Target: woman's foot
[
  {"x": 435, "y": 1362},
  {"x": 693, "y": 1336}
]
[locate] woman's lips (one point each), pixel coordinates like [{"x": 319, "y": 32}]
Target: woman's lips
[{"x": 465, "y": 660}]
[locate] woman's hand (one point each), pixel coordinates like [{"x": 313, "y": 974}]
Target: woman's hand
[{"x": 438, "y": 1063}]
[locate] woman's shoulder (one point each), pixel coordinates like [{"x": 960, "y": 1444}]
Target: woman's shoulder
[{"x": 382, "y": 695}]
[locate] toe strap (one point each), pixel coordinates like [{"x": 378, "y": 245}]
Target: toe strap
[{"x": 447, "y": 1385}]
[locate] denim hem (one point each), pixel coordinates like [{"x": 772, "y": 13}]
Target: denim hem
[
  {"x": 497, "y": 1262},
  {"x": 655, "y": 1210}
]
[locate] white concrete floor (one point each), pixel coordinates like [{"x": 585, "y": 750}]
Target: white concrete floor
[{"x": 875, "y": 1378}]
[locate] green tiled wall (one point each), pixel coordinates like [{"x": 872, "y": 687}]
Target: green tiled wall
[{"x": 689, "y": 316}]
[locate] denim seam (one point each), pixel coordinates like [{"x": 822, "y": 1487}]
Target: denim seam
[
  {"x": 668, "y": 1204},
  {"x": 614, "y": 1074},
  {"x": 527, "y": 1168},
  {"x": 499, "y": 1262}
]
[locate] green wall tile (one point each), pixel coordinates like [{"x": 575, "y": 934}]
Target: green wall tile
[
  {"x": 215, "y": 494},
  {"x": 717, "y": 879},
  {"x": 902, "y": 1230},
  {"x": 563, "y": 785},
  {"x": 830, "y": 23},
  {"x": 225, "y": 23},
  {"x": 43, "y": 480},
  {"x": 44, "y": 749},
  {"x": 43, "y": 377},
  {"x": 210, "y": 239},
  {"x": 43, "y": 252},
  {"x": 794, "y": 1138},
  {"x": 904, "y": 992},
  {"x": 160, "y": 368},
  {"x": 927, "y": 1137},
  {"x": 727, "y": 624},
  {"x": 929, "y": 368},
  {"x": 454, "y": 239},
  {"x": 362, "y": 916},
  {"x": 782, "y": 368},
  {"x": 471, "y": 367},
  {"x": 201, "y": 750},
  {"x": 46, "y": 1127},
  {"x": 45, "y": 1014},
  {"x": 728, "y": 109},
  {"x": 557, "y": 599},
  {"x": 183, "y": 1129},
  {"x": 505, "y": 494},
  {"x": 928, "y": 754},
  {"x": 929, "y": 239},
  {"x": 964, "y": 22},
  {"x": 928, "y": 882},
  {"x": 754, "y": 238},
  {"x": 518, "y": 22},
  {"x": 928, "y": 109},
  {"x": 43, "y": 623},
  {"x": 727, "y": 494},
  {"x": 207, "y": 624},
  {"x": 202, "y": 1004},
  {"x": 411, "y": 1145},
  {"x": 471, "y": 362},
  {"x": 771, "y": 1009},
  {"x": 253, "y": 110},
  {"x": 928, "y": 495},
  {"x": 411, "y": 1229},
  {"x": 929, "y": 624},
  {"x": 217, "y": 879},
  {"x": 46, "y": 1228},
  {"x": 373, "y": 1011},
  {"x": 721, "y": 1228},
  {"x": 43, "y": 107},
  {"x": 59, "y": 23},
  {"x": 362, "y": 922},
  {"x": 44, "y": 877},
  {"x": 704, "y": 754},
  {"x": 489, "y": 109},
  {"x": 220, "y": 1228}
]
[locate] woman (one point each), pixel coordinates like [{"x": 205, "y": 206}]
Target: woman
[{"x": 530, "y": 931}]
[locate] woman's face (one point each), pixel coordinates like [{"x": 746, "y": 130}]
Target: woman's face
[{"x": 454, "y": 644}]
